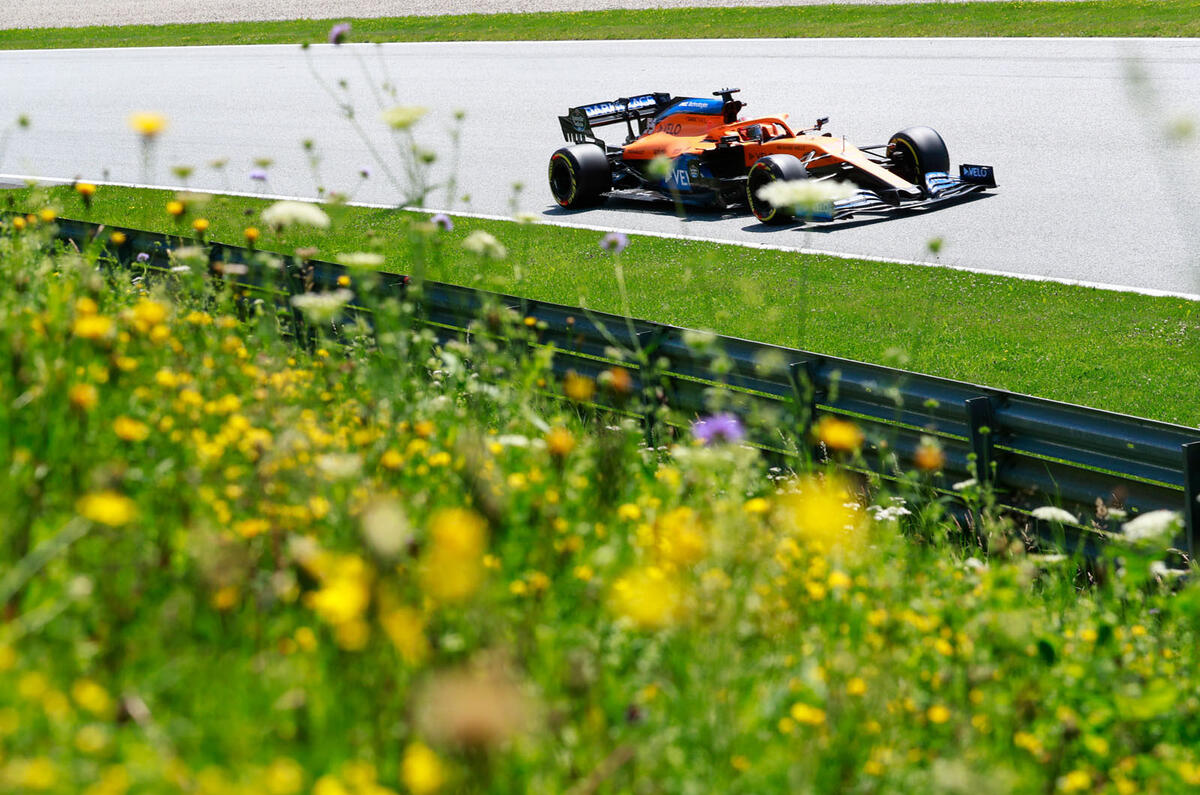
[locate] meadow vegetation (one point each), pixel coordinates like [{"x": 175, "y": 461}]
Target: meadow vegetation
[{"x": 250, "y": 551}]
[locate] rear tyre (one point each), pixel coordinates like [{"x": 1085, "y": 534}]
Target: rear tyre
[
  {"x": 915, "y": 151},
  {"x": 579, "y": 175},
  {"x": 765, "y": 171}
]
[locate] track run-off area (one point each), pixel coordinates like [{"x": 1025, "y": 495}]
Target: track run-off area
[{"x": 1090, "y": 138}]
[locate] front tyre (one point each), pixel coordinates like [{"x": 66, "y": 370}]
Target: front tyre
[
  {"x": 579, "y": 175},
  {"x": 765, "y": 171},
  {"x": 916, "y": 151}
]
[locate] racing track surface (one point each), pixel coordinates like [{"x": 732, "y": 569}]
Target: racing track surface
[{"x": 1091, "y": 188}]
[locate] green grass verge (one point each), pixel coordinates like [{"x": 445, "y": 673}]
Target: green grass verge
[
  {"x": 1108, "y": 18},
  {"x": 1118, "y": 351}
]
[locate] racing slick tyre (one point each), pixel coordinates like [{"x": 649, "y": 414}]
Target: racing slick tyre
[
  {"x": 915, "y": 151},
  {"x": 579, "y": 175},
  {"x": 765, "y": 171}
]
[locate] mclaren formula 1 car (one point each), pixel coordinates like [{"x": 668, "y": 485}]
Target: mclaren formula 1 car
[{"x": 699, "y": 151}]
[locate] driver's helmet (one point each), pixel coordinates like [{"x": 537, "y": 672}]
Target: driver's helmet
[{"x": 754, "y": 132}]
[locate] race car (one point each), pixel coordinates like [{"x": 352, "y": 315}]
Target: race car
[{"x": 699, "y": 151}]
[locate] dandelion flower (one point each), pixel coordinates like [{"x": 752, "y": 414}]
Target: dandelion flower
[
  {"x": 107, "y": 507},
  {"x": 648, "y": 597},
  {"x": 838, "y": 434},
  {"x": 401, "y": 117},
  {"x": 283, "y": 214},
  {"x": 147, "y": 124},
  {"x": 83, "y": 396}
]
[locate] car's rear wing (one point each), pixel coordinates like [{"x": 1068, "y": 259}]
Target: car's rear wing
[{"x": 578, "y": 124}]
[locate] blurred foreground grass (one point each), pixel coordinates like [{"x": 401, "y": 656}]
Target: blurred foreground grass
[
  {"x": 1123, "y": 352},
  {"x": 233, "y": 564}
]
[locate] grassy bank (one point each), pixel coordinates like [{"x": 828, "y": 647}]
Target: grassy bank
[
  {"x": 1097, "y": 18},
  {"x": 237, "y": 565},
  {"x": 1118, "y": 351}
]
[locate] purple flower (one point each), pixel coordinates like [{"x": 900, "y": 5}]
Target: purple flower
[
  {"x": 364, "y": 173},
  {"x": 259, "y": 174},
  {"x": 442, "y": 221},
  {"x": 143, "y": 257},
  {"x": 722, "y": 427},
  {"x": 338, "y": 33},
  {"x": 614, "y": 242}
]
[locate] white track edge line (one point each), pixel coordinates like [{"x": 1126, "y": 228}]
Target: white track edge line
[{"x": 1118, "y": 288}]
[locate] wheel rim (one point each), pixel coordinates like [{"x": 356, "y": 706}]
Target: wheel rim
[
  {"x": 562, "y": 180},
  {"x": 759, "y": 175}
]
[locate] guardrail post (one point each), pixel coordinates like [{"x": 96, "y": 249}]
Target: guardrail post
[
  {"x": 1191, "y": 496},
  {"x": 980, "y": 421},
  {"x": 803, "y": 376}
]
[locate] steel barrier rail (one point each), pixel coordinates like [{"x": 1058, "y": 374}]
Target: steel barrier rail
[{"x": 1033, "y": 451}]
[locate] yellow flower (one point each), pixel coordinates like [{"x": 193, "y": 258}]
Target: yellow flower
[
  {"x": 91, "y": 696},
  {"x": 839, "y": 579},
  {"x": 929, "y": 456},
  {"x": 584, "y": 573},
  {"x": 421, "y": 770},
  {"x": 579, "y": 388},
  {"x": 83, "y": 396},
  {"x": 91, "y": 739},
  {"x": 681, "y": 538},
  {"x": 47, "y": 215},
  {"x": 560, "y": 442},
  {"x": 249, "y": 528},
  {"x": 200, "y": 225},
  {"x": 117, "y": 238},
  {"x": 405, "y": 627},
  {"x": 453, "y": 569},
  {"x": 284, "y": 777},
  {"x": 130, "y": 429},
  {"x": 85, "y": 189},
  {"x": 856, "y": 686},
  {"x": 740, "y": 763},
  {"x": 18, "y": 223},
  {"x": 107, "y": 507},
  {"x": 175, "y": 208},
  {"x": 148, "y": 313},
  {"x": 343, "y": 280},
  {"x": 839, "y": 435},
  {"x": 92, "y": 327},
  {"x": 1075, "y": 781},
  {"x": 756, "y": 506},
  {"x": 225, "y": 598},
  {"x": 807, "y": 714},
  {"x": 401, "y": 117},
  {"x": 648, "y": 597},
  {"x": 822, "y": 513},
  {"x": 345, "y": 591},
  {"x": 251, "y": 234},
  {"x": 147, "y": 123},
  {"x": 629, "y": 512},
  {"x": 938, "y": 713}
]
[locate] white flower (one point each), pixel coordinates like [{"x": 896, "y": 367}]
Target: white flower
[
  {"x": 401, "y": 117},
  {"x": 965, "y": 484},
  {"x": 1047, "y": 560},
  {"x": 360, "y": 259},
  {"x": 1049, "y": 513},
  {"x": 805, "y": 196},
  {"x": 289, "y": 213},
  {"x": 1117, "y": 515},
  {"x": 1163, "y": 572},
  {"x": 481, "y": 243},
  {"x": 385, "y": 527},
  {"x": 339, "y": 466},
  {"x": 1153, "y": 526},
  {"x": 888, "y": 514},
  {"x": 974, "y": 564},
  {"x": 322, "y": 307}
]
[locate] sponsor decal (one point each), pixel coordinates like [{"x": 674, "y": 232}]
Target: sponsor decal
[
  {"x": 606, "y": 108},
  {"x": 681, "y": 180},
  {"x": 976, "y": 172}
]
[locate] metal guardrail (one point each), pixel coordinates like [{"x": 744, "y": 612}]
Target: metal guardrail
[{"x": 1032, "y": 451}]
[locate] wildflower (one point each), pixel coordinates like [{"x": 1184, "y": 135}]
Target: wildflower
[
  {"x": 614, "y": 242},
  {"x": 18, "y": 223},
  {"x": 1050, "y": 513},
  {"x": 629, "y": 512},
  {"x": 401, "y": 117},
  {"x": 283, "y": 214},
  {"x": 648, "y": 597},
  {"x": 107, "y": 507},
  {"x": 453, "y": 568},
  {"x": 838, "y": 434},
  {"x": 929, "y": 456},
  {"x": 823, "y": 515},
  {"x": 405, "y": 627},
  {"x": 148, "y": 313},
  {"x": 720, "y": 427},
  {"x": 681, "y": 539},
  {"x": 249, "y": 528},
  {"x": 251, "y": 234},
  {"x": 477, "y": 707},
  {"x": 200, "y": 225},
  {"x": 143, "y": 257},
  {"x": 442, "y": 221},
  {"x": 92, "y": 697},
  {"x": 322, "y": 308},
  {"x": 130, "y": 430},
  {"x": 578, "y": 387},
  {"x": 618, "y": 380},
  {"x": 856, "y": 686},
  {"x": 360, "y": 259},
  {"x": 86, "y": 191},
  {"x": 47, "y": 215},
  {"x": 385, "y": 527},
  {"x": 339, "y": 466},
  {"x": 258, "y": 174},
  {"x": 1153, "y": 526},
  {"x": 807, "y": 714},
  {"x": 485, "y": 245},
  {"x": 175, "y": 208},
  {"x": 805, "y": 196},
  {"x": 938, "y": 713},
  {"x": 147, "y": 123},
  {"x": 338, "y": 33},
  {"x": 117, "y": 238},
  {"x": 421, "y": 771},
  {"x": 284, "y": 777},
  {"x": 344, "y": 593},
  {"x": 963, "y": 485},
  {"x": 83, "y": 396},
  {"x": 1075, "y": 781},
  {"x": 756, "y": 506},
  {"x": 559, "y": 442}
]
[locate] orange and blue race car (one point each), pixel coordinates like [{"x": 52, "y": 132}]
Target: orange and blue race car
[{"x": 700, "y": 152}]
